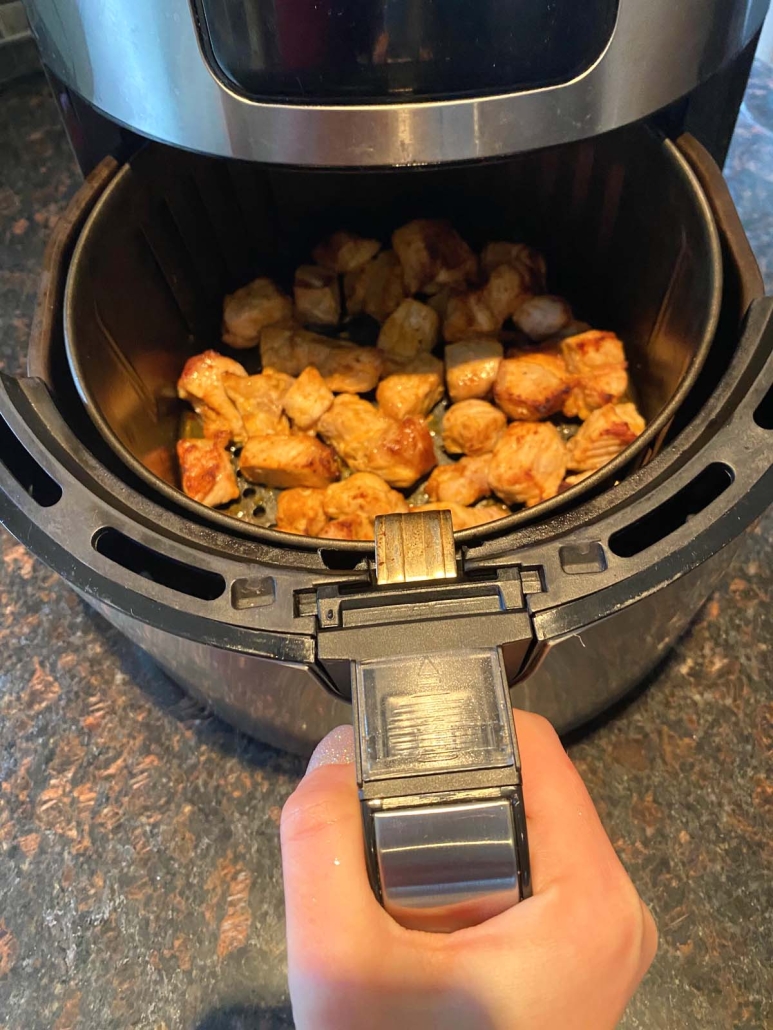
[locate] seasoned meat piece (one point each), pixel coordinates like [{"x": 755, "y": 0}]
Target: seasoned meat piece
[
  {"x": 607, "y": 432},
  {"x": 363, "y": 493},
  {"x": 464, "y": 482},
  {"x": 294, "y": 459},
  {"x": 201, "y": 383},
  {"x": 432, "y": 255},
  {"x": 528, "y": 463},
  {"x": 507, "y": 290},
  {"x": 301, "y": 510},
  {"x": 317, "y": 295},
  {"x": 351, "y": 426},
  {"x": 377, "y": 288},
  {"x": 570, "y": 481},
  {"x": 349, "y": 527},
  {"x": 471, "y": 368},
  {"x": 206, "y": 470},
  {"x": 308, "y": 398},
  {"x": 345, "y": 367},
  {"x": 409, "y": 393},
  {"x": 519, "y": 256},
  {"x": 596, "y": 361},
  {"x": 468, "y": 314},
  {"x": 472, "y": 427},
  {"x": 421, "y": 365},
  {"x": 409, "y": 331},
  {"x": 490, "y": 513},
  {"x": 248, "y": 311},
  {"x": 439, "y": 301},
  {"x": 462, "y": 517},
  {"x": 543, "y": 316},
  {"x": 403, "y": 453},
  {"x": 368, "y": 441},
  {"x": 345, "y": 252},
  {"x": 532, "y": 386},
  {"x": 258, "y": 399}
]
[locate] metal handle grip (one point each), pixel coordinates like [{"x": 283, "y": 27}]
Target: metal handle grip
[
  {"x": 440, "y": 786},
  {"x": 437, "y": 760}
]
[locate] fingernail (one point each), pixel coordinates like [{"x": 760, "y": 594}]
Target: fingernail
[{"x": 337, "y": 748}]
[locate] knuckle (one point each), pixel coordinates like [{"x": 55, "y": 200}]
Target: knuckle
[{"x": 306, "y": 814}]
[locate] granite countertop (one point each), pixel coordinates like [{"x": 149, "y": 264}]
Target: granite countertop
[{"x": 139, "y": 854}]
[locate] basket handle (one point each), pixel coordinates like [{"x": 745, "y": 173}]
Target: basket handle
[{"x": 736, "y": 246}]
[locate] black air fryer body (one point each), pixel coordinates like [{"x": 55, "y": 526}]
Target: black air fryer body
[{"x": 581, "y": 603}]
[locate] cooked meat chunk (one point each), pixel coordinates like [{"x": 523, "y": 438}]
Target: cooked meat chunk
[
  {"x": 249, "y": 310},
  {"x": 362, "y": 494},
  {"x": 469, "y": 314},
  {"x": 317, "y": 295},
  {"x": 301, "y": 510},
  {"x": 463, "y": 517},
  {"x": 201, "y": 383},
  {"x": 409, "y": 331},
  {"x": 528, "y": 463},
  {"x": 596, "y": 361},
  {"x": 308, "y": 398},
  {"x": 368, "y": 441},
  {"x": 345, "y": 252},
  {"x": 352, "y": 369},
  {"x": 403, "y": 453},
  {"x": 377, "y": 288},
  {"x": 294, "y": 459},
  {"x": 543, "y": 316},
  {"x": 490, "y": 513},
  {"x": 472, "y": 427},
  {"x": 206, "y": 470},
  {"x": 409, "y": 393},
  {"x": 439, "y": 301},
  {"x": 349, "y": 527},
  {"x": 345, "y": 367},
  {"x": 464, "y": 482},
  {"x": 433, "y": 255},
  {"x": 570, "y": 481},
  {"x": 421, "y": 365},
  {"x": 532, "y": 386},
  {"x": 351, "y": 426},
  {"x": 606, "y": 432},
  {"x": 520, "y": 256},
  {"x": 471, "y": 368},
  {"x": 506, "y": 291},
  {"x": 258, "y": 399}
]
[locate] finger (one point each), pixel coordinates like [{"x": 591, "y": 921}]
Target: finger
[
  {"x": 567, "y": 841},
  {"x": 325, "y": 877}
]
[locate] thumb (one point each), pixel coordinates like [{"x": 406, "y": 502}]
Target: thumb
[{"x": 323, "y": 860}]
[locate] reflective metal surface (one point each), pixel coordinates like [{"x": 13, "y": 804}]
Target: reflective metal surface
[
  {"x": 280, "y": 703},
  {"x": 415, "y": 547},
  {"x": 447, "y": 866},
  {"x": 141, "y": 63},
  {"x": 581, "y": 675}
]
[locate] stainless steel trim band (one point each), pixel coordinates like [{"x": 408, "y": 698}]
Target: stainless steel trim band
[
  {"x": 140, "y": 62},
  {"x": 442, "y": 862}
]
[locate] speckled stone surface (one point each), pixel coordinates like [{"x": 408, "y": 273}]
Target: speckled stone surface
[{"x": 139, "y": 858}]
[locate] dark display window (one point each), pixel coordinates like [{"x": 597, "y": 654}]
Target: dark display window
[{"x": 334, "y": 51}]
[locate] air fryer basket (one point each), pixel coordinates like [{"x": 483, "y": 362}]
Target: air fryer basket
[{"x": 626, "y": 229}]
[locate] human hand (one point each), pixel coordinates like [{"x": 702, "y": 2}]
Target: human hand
[{"x": 568, "y": 958}]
